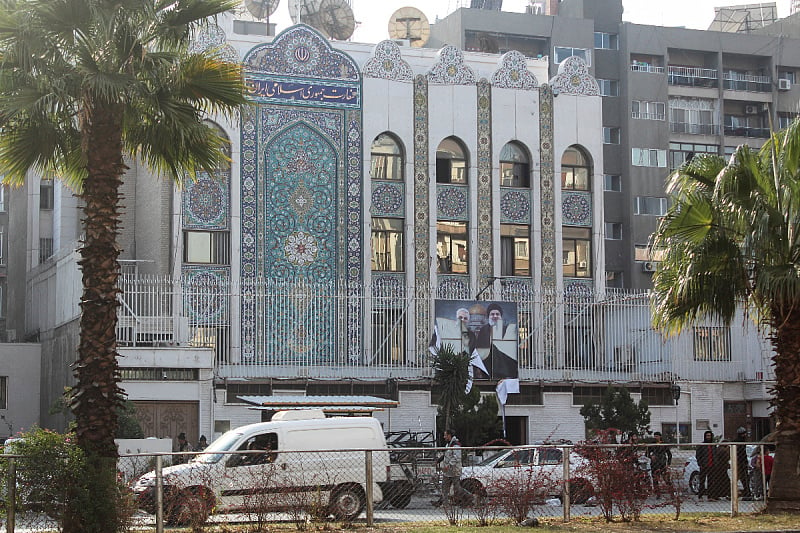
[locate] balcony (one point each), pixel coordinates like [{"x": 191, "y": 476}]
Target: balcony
[
  {"x": 637, "y": 66},
  {"x": 735, "y": 81},
  {"x": 694, "y": 129},
  {"x": 746, "y": 131},
  {"x": 692, "y": 76}
]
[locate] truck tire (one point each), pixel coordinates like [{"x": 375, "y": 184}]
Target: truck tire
[{"x": 347, "y": 502}]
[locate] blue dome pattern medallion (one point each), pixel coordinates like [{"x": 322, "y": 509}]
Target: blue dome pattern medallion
[{"x": 301, "y": 197}]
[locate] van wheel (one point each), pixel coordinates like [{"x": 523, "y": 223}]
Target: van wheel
[
  {"x": 580, "y": 490},
  {"x": 694, "y": 483},
  {"x": 399, "y": 494},
  {"x": 347, "y": 502},
  {"x": 189, "y": 507}
]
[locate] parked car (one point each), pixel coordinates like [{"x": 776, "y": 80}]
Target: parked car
[
  {"x": 300, "y": 459},
  {"x": 539, "y": 467}
]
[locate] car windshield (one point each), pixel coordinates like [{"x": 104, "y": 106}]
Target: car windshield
[
  {"x": 491, "y": 456},
  {"x": 223, "y": 444}
]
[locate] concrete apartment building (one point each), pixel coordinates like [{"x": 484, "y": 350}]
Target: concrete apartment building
[
  {"x": 668, "y": 93},
  {"x": 442, "y": 167}
]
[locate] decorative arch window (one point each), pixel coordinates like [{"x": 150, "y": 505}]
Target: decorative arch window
[
  {"x": 576, "y": 169},
  {"x": 451, "y": 162},
  {"x": 386, "y": 158},
  {"x": 515, "y": 167},
  {"x": 224, "y": 165}
]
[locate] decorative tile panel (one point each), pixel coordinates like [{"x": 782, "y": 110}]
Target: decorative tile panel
[
  {"x": 484, "y": 158},
  {"x": 302, "y": 52},
  {"x": 515, "y": 206},
  {"x": 212, "y": 36},
  {"x": 450, "y": 69},
  {"x": 453, "y": 287},
  {"x": 301, "y": 200},
  {"x": 546, "y": 187},
  {"x": 452, "y": 202},
  {"x": 578, "y": 288},
  {"x": 422, "y": 257},
  {"x": 389, "y": 285},
  {"x": 388, "y": 199},
  {"x": 576, "y": 208},
  {"x": 513, "y": 73},
  {"x": 517, "y": 290},
  {"x": 387, "y": 63},
  {"x": 206, "y": 295},
  {"x": 573, "y": 78},
  {"x": 206, "y": 202}
]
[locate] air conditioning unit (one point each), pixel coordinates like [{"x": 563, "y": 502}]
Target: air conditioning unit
[
  {"x": 751, "y": 110},
  {"x": 784, "y": 85},
  {"x": 649, "y": 266}
]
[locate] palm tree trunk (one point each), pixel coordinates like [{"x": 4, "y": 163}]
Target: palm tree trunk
[
  {"x": 97, "y": 394},
  {"x": 784, "y": 491}
]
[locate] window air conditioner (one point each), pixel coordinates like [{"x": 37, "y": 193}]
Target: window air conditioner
[
  {"x": 649, "y": 266},
  {"x": 751, "y": 110},
  {"x": 784, "y": 85}
]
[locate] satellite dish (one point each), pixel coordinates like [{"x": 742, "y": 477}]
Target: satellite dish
[
  {"x": 333, "y": 18},
  {"x": 261, "y": 9},
  {"x": 411, "y": 24}
]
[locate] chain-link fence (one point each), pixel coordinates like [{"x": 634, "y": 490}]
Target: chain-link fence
[{"x": 485, "y": 485}]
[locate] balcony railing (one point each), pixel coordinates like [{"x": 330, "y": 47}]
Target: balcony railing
[
  {"x": 693, "y": 76},
  {"x": 646, "y": 67},
  {"x": 738, "y": 131},
  {"x": 648, "y": 116},
  {"x": 694, "y": 129},
  {"x": 747, "y": 82}
]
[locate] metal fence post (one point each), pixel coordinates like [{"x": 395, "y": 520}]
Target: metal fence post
[
  {"x": 368, "y": 467},
  {"x": 11, "y": 501},
  {"x": 159, "y": 495},
  {"x": 565, "y": 499},
  {"x": 733, "y": 459}
]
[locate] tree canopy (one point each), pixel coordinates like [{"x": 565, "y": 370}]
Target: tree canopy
[{"x": 617, "y": 410}]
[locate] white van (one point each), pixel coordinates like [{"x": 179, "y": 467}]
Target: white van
[{"x": 284, "y": 473}]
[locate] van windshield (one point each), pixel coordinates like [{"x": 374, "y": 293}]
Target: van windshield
[{"x": 223, "y": 444}]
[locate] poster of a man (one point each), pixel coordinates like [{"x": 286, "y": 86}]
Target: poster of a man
[{"x": 488, "y": 329}]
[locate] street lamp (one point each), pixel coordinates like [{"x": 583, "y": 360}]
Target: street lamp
[{"x": 675, "y": 389}]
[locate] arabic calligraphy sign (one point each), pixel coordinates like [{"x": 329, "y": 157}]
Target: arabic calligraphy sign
[{"x": 316, "y": 94}]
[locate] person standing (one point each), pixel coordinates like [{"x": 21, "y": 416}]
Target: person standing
[
  {"x": 705, "y": 461},
  {"x": 660, "y": 459},
  {"x": 742, "y": 464},
  {"x": 202, "y": 444},
  {"x": 183, "y": 446},
  {"x": 451, "y": 471}
]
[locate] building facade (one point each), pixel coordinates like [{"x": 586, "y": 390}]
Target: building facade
[{"x": 367, "y": 185}]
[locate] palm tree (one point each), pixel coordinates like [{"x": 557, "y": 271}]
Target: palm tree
[
  {"x": 732, "y": 237},
  {"x": 450, "y": 375},
  {"x": 84, "y": 84}
]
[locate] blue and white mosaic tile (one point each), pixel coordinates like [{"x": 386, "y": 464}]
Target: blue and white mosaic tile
[
  {"x": 450, "y": 68},
  {"x": 452, "y": 202},
  {"x": 206, "y": 202},
  {"x": 515, "y": 206},
  {"x": 387, "y": 63},
  {"x": 513, "y": 73},
  {"x": 576, "y": 208},
  {"x": 573, "y": 78},
  {"x": 388, "y": 199}
]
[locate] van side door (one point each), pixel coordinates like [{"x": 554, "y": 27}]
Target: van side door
[{"x": 252, "y": 480}]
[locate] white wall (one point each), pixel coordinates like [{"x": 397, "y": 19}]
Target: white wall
[{"x": 21, "y": 364}]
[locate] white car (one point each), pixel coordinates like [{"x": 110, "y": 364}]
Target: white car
[{"x": 539, "y": 468}]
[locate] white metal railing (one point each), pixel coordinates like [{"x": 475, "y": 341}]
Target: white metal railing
[
  {"x": 693, "y": 72},
  {"x": 738, "y": 76},
  {"x": 646, "y": 67},
  {"x": 281, "y": 328},
  {"x": 648, "y": 116}
]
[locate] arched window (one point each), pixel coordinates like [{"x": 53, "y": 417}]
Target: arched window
[
  {"x": 386, "y": 158},
  {"x": 576, "y": 170},
  {"x": 451, "y": 162},
  {"x": 515, "y": 167}
]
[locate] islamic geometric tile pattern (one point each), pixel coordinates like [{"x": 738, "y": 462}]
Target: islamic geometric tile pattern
[
  {"x": 578, "y": 288},
  {"x": 421, "y": 210},
  {"x": 212, "y": 39},
  {"x": 576, "y": 208},
  {"x": 453, "y": 287},
  {"x": 513, "y": 73},
  {"x": 389, "y": 285},
  {"x": 451, "y": 202},
  {"x": 301, "y": 199},
  {"x": 546, "y": 187},
  {"x": 386, "y": 63},
  {"x": 206, "y": 201},
  {"x": 205, "y": 299},
  {"x": 484, "y": 158},
  {"x": 573, "y": 78},
  {"x": 515, "y": 206},
  {"x": 387, "y": 199},
  {"x": 450, "y": 69},
  {"x": 301, "y": 51},
  {"x": 517, "y": 290}
]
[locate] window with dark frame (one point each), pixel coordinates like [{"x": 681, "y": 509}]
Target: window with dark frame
[
  {"x": 515, "y": 259},
  {"x": 577, "y": 251},
  {"x": 575, "y": 170},
  {"x": 452, "y": 249},
  {"x": 515, "y": 170},
  {"x": 206, "y": 247},
  {"x": 386, "y": 158},
  {"x": 387, "y": 245},
  {"x": 451, "y": 162}
]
